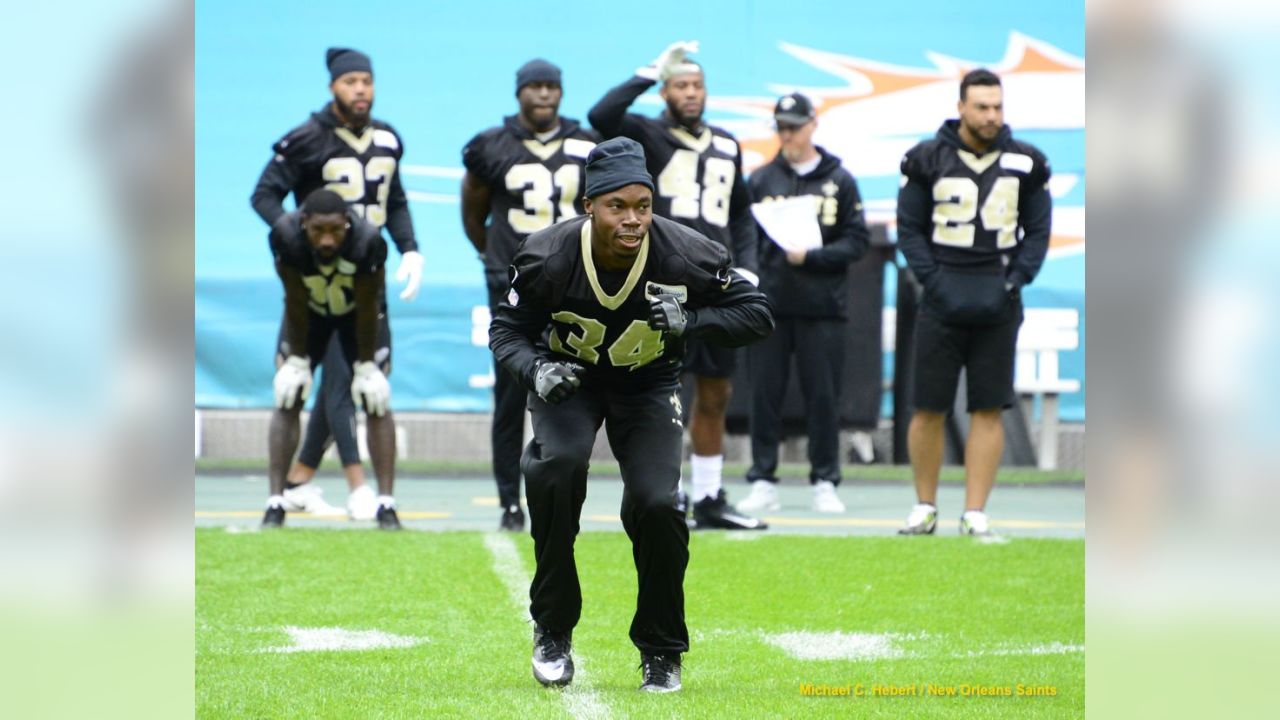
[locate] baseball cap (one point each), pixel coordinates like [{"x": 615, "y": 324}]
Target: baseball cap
[{"x": 793, "y": 109}]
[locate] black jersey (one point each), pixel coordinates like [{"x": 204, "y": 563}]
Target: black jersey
[
  {"x": 959, "y": 208},
  {"x": 363, "y": 167},
  {"x": 532, "y": 184},
  {"x": 562, "y": 306},
  {"x": 816, "y": 288},
  {"x": 697, "y": 174},
  {"x": 331, "y": 285}
]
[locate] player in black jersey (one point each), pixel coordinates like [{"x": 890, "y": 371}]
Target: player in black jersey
[
  {"x": 974, "y": 216},
  {"x": 699, "y": 183},
  {"x": 330, "y": 262},
  {"x": 594, "y": 325},
  {"x": 343, "y": 148},
  {"x": 521, "y": 176}
]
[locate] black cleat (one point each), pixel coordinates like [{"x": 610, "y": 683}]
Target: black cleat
[
  {"x": 552, "y": 663},
  {"x": 274, "y": 517},
  {"x": 387, "y": 518},
  {"x": 661, "y": 673},
  {"x": 512, "y": 519},
  {"x": 715, "y": 513}
]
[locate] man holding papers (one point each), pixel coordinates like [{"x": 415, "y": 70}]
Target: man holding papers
[{"x": 809, "y": 208}]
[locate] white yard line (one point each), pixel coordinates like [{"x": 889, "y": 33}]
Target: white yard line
[{"x": 579, "y": 699}]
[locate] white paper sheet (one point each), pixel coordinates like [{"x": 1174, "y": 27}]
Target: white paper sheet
[{"x": 791, "y": 223}]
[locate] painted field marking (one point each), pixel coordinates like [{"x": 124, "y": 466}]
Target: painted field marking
[{"x": 336, "y": 639}]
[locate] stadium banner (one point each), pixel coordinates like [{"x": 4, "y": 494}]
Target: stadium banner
[{"x": 883, "y": 76}]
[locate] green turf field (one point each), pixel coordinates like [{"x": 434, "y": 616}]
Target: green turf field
[{"x": 768, "y": 614}]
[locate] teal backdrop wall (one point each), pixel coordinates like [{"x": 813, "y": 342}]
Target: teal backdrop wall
[{"x": 886, "y": 75}]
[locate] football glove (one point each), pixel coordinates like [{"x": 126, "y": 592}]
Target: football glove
[
  {"x": 410, "y": 273},
  {"x": 669, "y": 62},
  {"x": 292, "y": 382},
  {"x": 665, "y": 313},
  {"x": 369, "y": 387},
  {"x": 556, "y": 382}
]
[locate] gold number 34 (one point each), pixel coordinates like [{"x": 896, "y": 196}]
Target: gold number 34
[{"x": 636, "y": 347}]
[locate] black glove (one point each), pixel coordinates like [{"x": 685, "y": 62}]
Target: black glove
[
  {"x": 556, "y": 382},
  {"x": 665, "y": 313}
]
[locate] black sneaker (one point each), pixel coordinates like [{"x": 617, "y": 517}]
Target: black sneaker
[
  {"x": 387, "y": 518},
  {"x": 552, "y": 664},
  {"x": 512, "y": 519},
  {"x": 715, "y": 513},
  {"x": 661, "y": 673},
  {"x": 274, "y": 517}
]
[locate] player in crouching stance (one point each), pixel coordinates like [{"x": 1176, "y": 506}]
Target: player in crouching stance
[
  {"x": 595, "y": 324},
  {"x": 331, "y": 264}
]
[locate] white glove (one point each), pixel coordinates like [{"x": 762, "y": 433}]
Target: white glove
[
  {"x": 669, "y": 62},
  {"x": 292, "y": 382},
  {"x": 370, "y": 388},
  {"x": 410, "y": 270}
]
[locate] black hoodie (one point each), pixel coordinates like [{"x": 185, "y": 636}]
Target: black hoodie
[
  {"x": 945, "y": 169},
  {"x": 817, "y": 288}
]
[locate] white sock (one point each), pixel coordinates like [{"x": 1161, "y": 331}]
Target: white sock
[
  {"x": 386, "y": 501},
  {"x": 707, "y": 470},
  {"x": 275, "y": 501}
]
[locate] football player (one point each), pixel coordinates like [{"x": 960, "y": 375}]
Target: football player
[
  {"x": 522, "y": 176},
  {"x": 330, "y": 262},
  {"x": 342, "y": 147},
  {"x": 974, "y": 216},
  {"x": 698, "y": 173},
  {"x": 594, "y": 326}
]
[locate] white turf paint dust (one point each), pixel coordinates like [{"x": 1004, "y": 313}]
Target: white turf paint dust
[
  {"x": 579, "y": 699},
  {"x": 838, "y": 645},
  {"x": 1054, "y": 648},
  {"x": 880, "y": 646},
  {"x": 333, "y": 639}
]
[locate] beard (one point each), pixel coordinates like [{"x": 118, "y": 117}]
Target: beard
[
  {"x": 356, "y": 117},
  {"x": 688, "y": 120}
]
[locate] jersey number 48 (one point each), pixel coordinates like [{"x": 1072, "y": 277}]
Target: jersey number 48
[{"x": 710, "y": 200}]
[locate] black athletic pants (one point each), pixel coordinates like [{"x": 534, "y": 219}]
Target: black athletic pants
[
  {"x": 507, "y": 431},
  {"x": 645, "y": 434},
  {"x": 818, "y": 346}
]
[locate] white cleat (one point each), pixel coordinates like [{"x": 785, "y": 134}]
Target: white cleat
[
  {"x": 362, "y": 503},
  {"x": 825, "y": 499},
  {"x": 763, "y": 498},
  {"x": 309, "y": 499},
  {"x": 975, "y": 522},
  {"x": 923, "y": 520}
]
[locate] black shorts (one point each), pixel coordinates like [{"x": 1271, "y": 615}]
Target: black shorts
[
  {"x": 321, "y": 327},
  {"x": 986, "y": 352},
  {"x": 704, "y": 359}
]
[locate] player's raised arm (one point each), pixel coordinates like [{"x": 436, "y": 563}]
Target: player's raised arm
[{"x": 610, "y": 116}]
